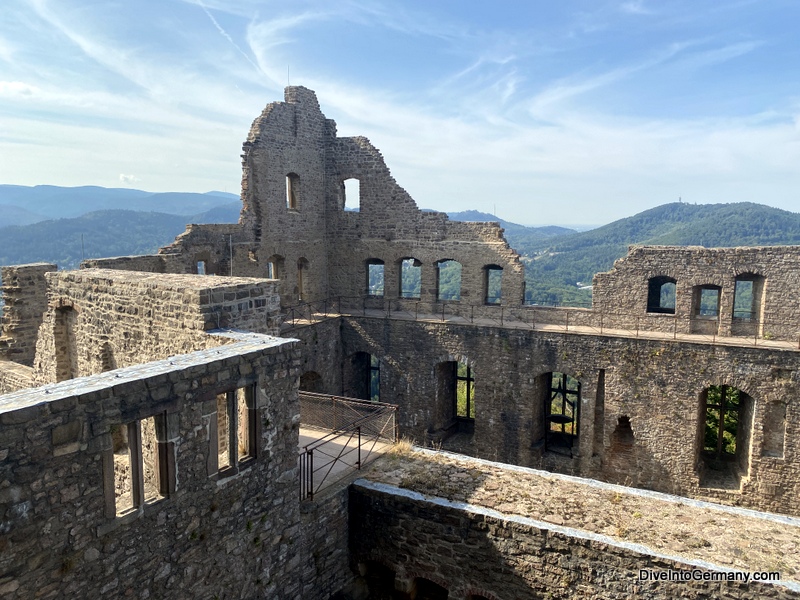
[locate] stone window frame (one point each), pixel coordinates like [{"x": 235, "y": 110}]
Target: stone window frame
[
  {"x": 375, "y": 262},
  {"x": 697, "y": 301},
  {"x": 655, "y": 289},
  {"x": 487, "y": 281},
  {"x": 164, "y": 462},
  {"x": 758, "y": 283},
  {"x": 237, "y": 462},
  {"x": 275, "y": 266},
  {"x": 415, "y": 264},
  {"x": 293, "y": 187}
]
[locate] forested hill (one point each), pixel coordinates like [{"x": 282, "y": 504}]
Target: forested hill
[
  {"x": 559, "y": 265},
  {"x": 522, "y": 238},
  {"x": 99, "y": 234}
]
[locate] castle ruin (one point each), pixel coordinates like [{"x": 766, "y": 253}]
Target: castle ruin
[{"x": 149, "y": 412}]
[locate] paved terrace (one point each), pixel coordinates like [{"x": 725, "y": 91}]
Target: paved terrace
[{"x": 702, "y": 534}]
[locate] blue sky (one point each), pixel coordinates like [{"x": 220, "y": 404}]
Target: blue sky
[{"x": 571, "y": 112}]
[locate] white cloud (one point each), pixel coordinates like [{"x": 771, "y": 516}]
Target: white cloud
[
  {"x": 17, "y": 89},
  {"x": 128, "y": 179}
]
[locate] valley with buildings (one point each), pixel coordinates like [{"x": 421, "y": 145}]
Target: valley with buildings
[{"x": 231, "y": 416}]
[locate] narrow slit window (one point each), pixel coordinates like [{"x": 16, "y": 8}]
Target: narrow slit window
[
  {"x": 292, "y": 191},
  {"x": 201, "y": 267},
  {"x": 374, "y": 378},
  {"x": 465, "y": 392}
]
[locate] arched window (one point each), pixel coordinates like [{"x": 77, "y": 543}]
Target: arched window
[
  {"x": 375, "y": 281},
  {"x": 311, "y": 381},
  {"x": 293, "y": 191},
  {"x": 561, "y": 412},
  {"x": 493, "y": 284},
  {"x": 351, "y": 190},
  {"x": 448, "y": 280},
  {"x": 661, "y": 295},
  {"x": 410, "y": 278}
]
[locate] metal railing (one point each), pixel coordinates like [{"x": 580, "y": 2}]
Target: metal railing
[
  {"x": 736, "y": 331},
  {"x": 356, "y": 429}
]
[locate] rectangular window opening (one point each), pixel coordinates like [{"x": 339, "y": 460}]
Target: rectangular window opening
[{"x": 236, "y": 441}]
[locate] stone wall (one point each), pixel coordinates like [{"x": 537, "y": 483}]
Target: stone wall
[
  {"x": 100, "y": 319},
  {"x": 472, "y": 551},
  {"x": 216, "y": 531},
  {"x": 324, "y": 552},
  {"x": 623, "y": 291},
  {"x": 640, "y": 417},
  {"x": 25, "y": 300}
]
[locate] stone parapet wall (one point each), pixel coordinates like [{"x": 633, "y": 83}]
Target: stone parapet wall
[
  {"x": 24, "y": 302},
  {"x": 212, "y": 534},
  {"x": 100, "y": 319},
  {"x": 468, "y": 549}
]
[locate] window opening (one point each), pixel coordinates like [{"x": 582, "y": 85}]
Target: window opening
[
  {"x": 465, "y": 392},
  {"x": 374, "y": 378},
  {"x": 352, "y": 195},
  {"x": 66, "y": 343},
  {"x": 236, "y": 441},
  {"x": 661, "y": 295},
  {"x": 375, "y": 281},
  {"x": 292, "y": 191},
  {"x": 274, "y": 267},
  {"x": 562, "y": 406},
  {"x": 410, "y": 278},
  {"x": 137, "y": 465},
  {"x": 448, "y": 280},
  {"x": 493, "y": 276},
  {"x": 201, "y": 267},
  {"x": 429, "y": 590},
  {"x": 707, "y": 302},
  {"x": 722, "y": 421},
  {"x": 302, "y": 267}
]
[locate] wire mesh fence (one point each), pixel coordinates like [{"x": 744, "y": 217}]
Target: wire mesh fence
[{"x": 352, "y": 431}]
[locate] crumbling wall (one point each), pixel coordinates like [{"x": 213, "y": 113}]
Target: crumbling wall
[
  {"x": 25, "y": 301},
  {"x": 99, "y": 319},
  {"x": 209, "y": 536},
  {"x": 621, "y": 294},
  {"x": 389, "y": 227}
]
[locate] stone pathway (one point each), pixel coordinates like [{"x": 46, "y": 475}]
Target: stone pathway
[{"x": 715, "y": 534}]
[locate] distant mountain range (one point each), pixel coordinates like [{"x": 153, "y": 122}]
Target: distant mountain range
[
  {"x": 22, "y": 205},
  {"x": 62, "y": 225}
]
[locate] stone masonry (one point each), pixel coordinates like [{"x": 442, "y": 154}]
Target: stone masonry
[{"x": 149, "y": 415}]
